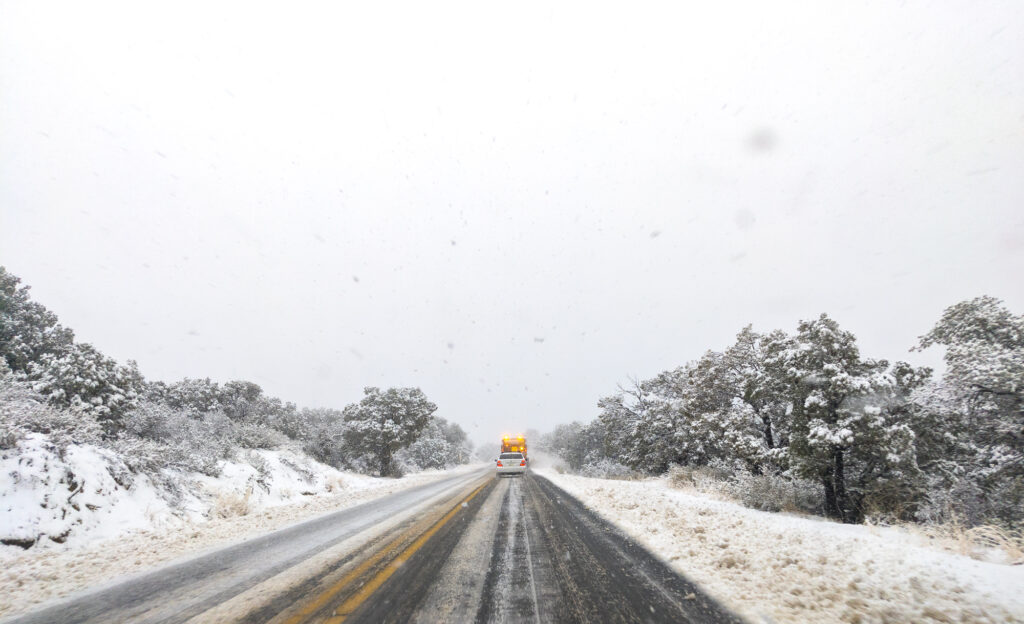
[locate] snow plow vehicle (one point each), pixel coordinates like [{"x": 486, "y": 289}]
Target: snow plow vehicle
[{"x": 514, "y": 444}]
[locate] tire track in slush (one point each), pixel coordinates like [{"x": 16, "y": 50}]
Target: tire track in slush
[{"x": 510, "y": 590}]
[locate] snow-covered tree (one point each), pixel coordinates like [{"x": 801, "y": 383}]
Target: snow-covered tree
[
  {"x": 28, "y": 331},
  {"x": 198, "y": 396},
  {"x": 83, "y": 379},
  {"x": 644, "y": 431},
  {"x": 244, "y": 401},
  {"x": 848, "y": 416},
  {"x": 740, "y": 403},
  {"x": 985, "y": 363},
  {"x": 322, "y": 432},
  {"x": 384, "y": 422},
  {"x": 563, "y": 441},
  {"x": 241, "y": 401},
  {"x": 440, "y": 445},
  {"x": 982, "y": 406}
]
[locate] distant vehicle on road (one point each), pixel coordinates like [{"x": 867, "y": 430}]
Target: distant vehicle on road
[
  {"x": 510, "y": 464},
  {"x": 514, "y": 444}
]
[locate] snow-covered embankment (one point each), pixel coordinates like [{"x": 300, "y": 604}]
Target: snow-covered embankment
[
  {"x": 74, "y": 519},
  {"x": 784, "y": 568}
]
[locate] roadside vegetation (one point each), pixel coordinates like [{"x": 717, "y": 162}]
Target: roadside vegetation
[
  {"x": 58, "y": 395},
  {"x": 804, "y": 422}
]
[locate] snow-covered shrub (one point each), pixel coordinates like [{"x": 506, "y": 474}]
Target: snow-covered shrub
[
  {"x": 776, "y": 492},
  {"x": 606, "y": 468},
  {"x": 231, "y": 504},
  {"x": 150, "y": 457},
  {"x": 962, "y": 503},
  {"x": 700, "y": 478},
  {"x": 892, "y": 499},
  {"x": 195, "y": 395},
  {"x": 153, "y": 421},
  {"x": 84, "y": 379},
  {"x": 142, "y": 456},
  {"x": 23, "y": 411},
  {"x": 440, "y": 445},
  {"x": 257, "y": 436},
  {"x": 197, "y": 444},
  {"x": 425, "y": 454},
  {"x": 323, "y": 436},
  {"x": 9, "y": 435}
]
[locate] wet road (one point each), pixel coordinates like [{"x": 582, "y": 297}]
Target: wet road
[{"x": 471, "y": 548}]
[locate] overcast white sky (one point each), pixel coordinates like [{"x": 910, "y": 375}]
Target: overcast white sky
[{"x": 514, "y": 207}]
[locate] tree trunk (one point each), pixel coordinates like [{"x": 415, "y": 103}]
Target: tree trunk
[
  {"x": 831, "y": 508},
  {"x": 769, "y": 438},
  {"x": 842, "y": 499},
  {"x": 385, "y": 461}
]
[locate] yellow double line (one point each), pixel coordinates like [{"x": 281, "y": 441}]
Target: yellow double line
[{"x": 358, "y": 598}]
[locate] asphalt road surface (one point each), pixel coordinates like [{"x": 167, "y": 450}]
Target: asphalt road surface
[{"x": 469, "y": 548}]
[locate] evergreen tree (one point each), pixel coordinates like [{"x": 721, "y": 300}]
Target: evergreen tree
[
  {"x": 28, "y": 331},
  {"x": 981, "y": 405},
  {"x": 384, "y": 422},
  {"x": 82, "y": 378},
  {"x": 847, "y": 417}
]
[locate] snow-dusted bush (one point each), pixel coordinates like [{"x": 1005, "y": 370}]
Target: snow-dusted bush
[
  {"x": 232, "y": 504},
  {"x": 323, "y": 436},
  {"x": 606, "y": 468},
  {"x": 702, "y": 478},
  {"x": 23, "y": 411},
  {"x": 150, "y": 457},
  {"x": 154, "y": 431},
  {"x": 426, "y": 453},
  {"x": 441, "y": 445},
  {"x": 85, "y": 380},
  {"x": 142, "y": 456},
  {"x": 776, "y": 492},
  {"x": 258, "y": 436}
]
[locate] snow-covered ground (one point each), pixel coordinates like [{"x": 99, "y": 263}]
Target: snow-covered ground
[
  {"x": 775, "y": 567},
  {"x": 93, "y": 520}
]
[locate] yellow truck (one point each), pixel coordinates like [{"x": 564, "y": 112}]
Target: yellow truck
[{"x": 514, "y": 444}]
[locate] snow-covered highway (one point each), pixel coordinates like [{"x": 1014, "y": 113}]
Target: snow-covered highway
[{"x": 465, "y": 548}]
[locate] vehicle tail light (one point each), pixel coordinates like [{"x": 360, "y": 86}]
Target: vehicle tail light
[
  {"x": 499, "y": 464},
  {"x": 522, "y": 463}
]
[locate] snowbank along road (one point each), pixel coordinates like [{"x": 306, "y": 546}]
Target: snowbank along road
[{"x": 464, "y": 549}]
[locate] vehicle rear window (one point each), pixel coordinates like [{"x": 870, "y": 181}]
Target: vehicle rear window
[{"x": 511, "y": 456}]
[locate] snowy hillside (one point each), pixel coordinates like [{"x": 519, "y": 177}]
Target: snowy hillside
[
  {"x": 87, "y": 492},
  {"x": 774, "y": 567},
  {"x": 88, "y": 518}
]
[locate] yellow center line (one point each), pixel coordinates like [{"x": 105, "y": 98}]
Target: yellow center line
[{"x": 366, "y": 590}]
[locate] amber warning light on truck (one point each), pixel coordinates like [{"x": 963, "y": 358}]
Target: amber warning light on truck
[{"x": 513, "y": 444}]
